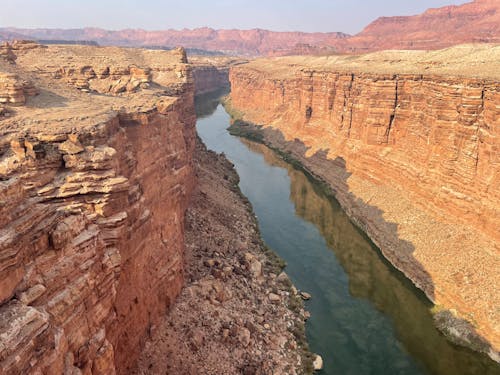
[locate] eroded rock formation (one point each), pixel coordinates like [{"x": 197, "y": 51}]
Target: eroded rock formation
[
  {"x": 93, "y": 190},
  {"x": 14, "y": 91},
  {"x": 410, "y": 149}
]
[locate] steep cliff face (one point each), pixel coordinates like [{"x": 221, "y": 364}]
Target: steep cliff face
[
  {"x": 93, "y": 190},
  {"x": 473, "y": 22},
  {"x": 209, "y": 78},
  {"x": 412, "y": 157},
  {"x": 211, "y": 73}
]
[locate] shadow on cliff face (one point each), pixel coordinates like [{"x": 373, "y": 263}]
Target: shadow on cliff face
[
  {"x": 373, "y": 278},
  {"x": 319, "y": 201},
  {"x": 334, "y": 176},
  {"x": 206, "y": 104}
]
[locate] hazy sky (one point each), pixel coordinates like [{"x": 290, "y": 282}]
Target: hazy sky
[{"x": 305, "y": 15}]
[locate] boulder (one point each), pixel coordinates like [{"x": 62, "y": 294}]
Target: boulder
[
  {"x": 305, "y": 296},
  {"x": 317, "y": 363}
]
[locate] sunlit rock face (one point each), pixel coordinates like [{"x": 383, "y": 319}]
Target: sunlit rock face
[
  {"x": 94, "y": 183},
  {"x": 473, "y": 22},
  {"x": 410, "y": 146}
]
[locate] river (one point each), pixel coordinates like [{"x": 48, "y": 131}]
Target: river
[{"x": 366, "y": 317}]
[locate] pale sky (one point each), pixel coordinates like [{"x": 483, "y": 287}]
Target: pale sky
[{"x": 348, "y": 16}]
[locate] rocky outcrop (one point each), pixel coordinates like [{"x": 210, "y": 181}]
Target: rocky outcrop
[
  {"x": 6, "y": 52},
  {"x": 93, "y": 190},
  {"x": 412, "y": 157},
  {"x": 113, "y": 80},
  {"x": 7, "y": 49},
  {"x": 14, "y": 91}
]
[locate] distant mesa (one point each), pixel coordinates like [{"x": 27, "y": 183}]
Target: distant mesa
[
  {"x": 243, "y": 42},
  {"x": 473, "y": 22}
]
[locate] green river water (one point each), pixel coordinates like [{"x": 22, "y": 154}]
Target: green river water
[{"x": 366, "y": 318}]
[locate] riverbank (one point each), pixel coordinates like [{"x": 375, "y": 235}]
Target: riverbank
[
  {"x": 237, "y": 312},
  {"x": 333, "y": 177},
  {"x": 407, "y": 141}
]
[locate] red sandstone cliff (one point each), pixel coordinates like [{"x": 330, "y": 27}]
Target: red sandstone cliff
[
  {"x": 474, "y": 22},
  {"x": 95, "y": 176},
  {"x": 412, "y": 157},
  {"x": 211, "y": 73}
]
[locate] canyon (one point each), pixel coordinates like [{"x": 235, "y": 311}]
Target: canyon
[
  {"x": 233, "y": 315},
  {"x": 212, "y": 73},
  {"x": 127, "y": 247},
  {"x": 109, "y": 205},
  {"x": 472, "y": 22},
  {"x": 408, "y": 142}
]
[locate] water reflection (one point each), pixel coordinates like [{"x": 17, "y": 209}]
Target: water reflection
[
  {"x": 366, "y": 317},
  {"x": 206, "y": 104},
  {"x": 372, "y": 278}
]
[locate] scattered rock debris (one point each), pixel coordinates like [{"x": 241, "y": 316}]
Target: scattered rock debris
[{"x": 238, "y": 313}]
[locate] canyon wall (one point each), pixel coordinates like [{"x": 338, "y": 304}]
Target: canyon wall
[
  {"x": 209, "y": 78},
  {"x": 211, "y": 73},
  {"x": 95, "y": 176},
  {"x": 412, "y": 157}
]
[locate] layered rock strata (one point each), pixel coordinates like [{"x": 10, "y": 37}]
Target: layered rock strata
[
  {"x": 93, "y": 190},
  {"x": 211, "y": 73},
  {"x": 472, "y": 22},
  {"x": 7, "y": 49},
  {"x": 235, "y": 314},
  {"x": 411, "y": 150},
  {"x": 14, "y": 91}
]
